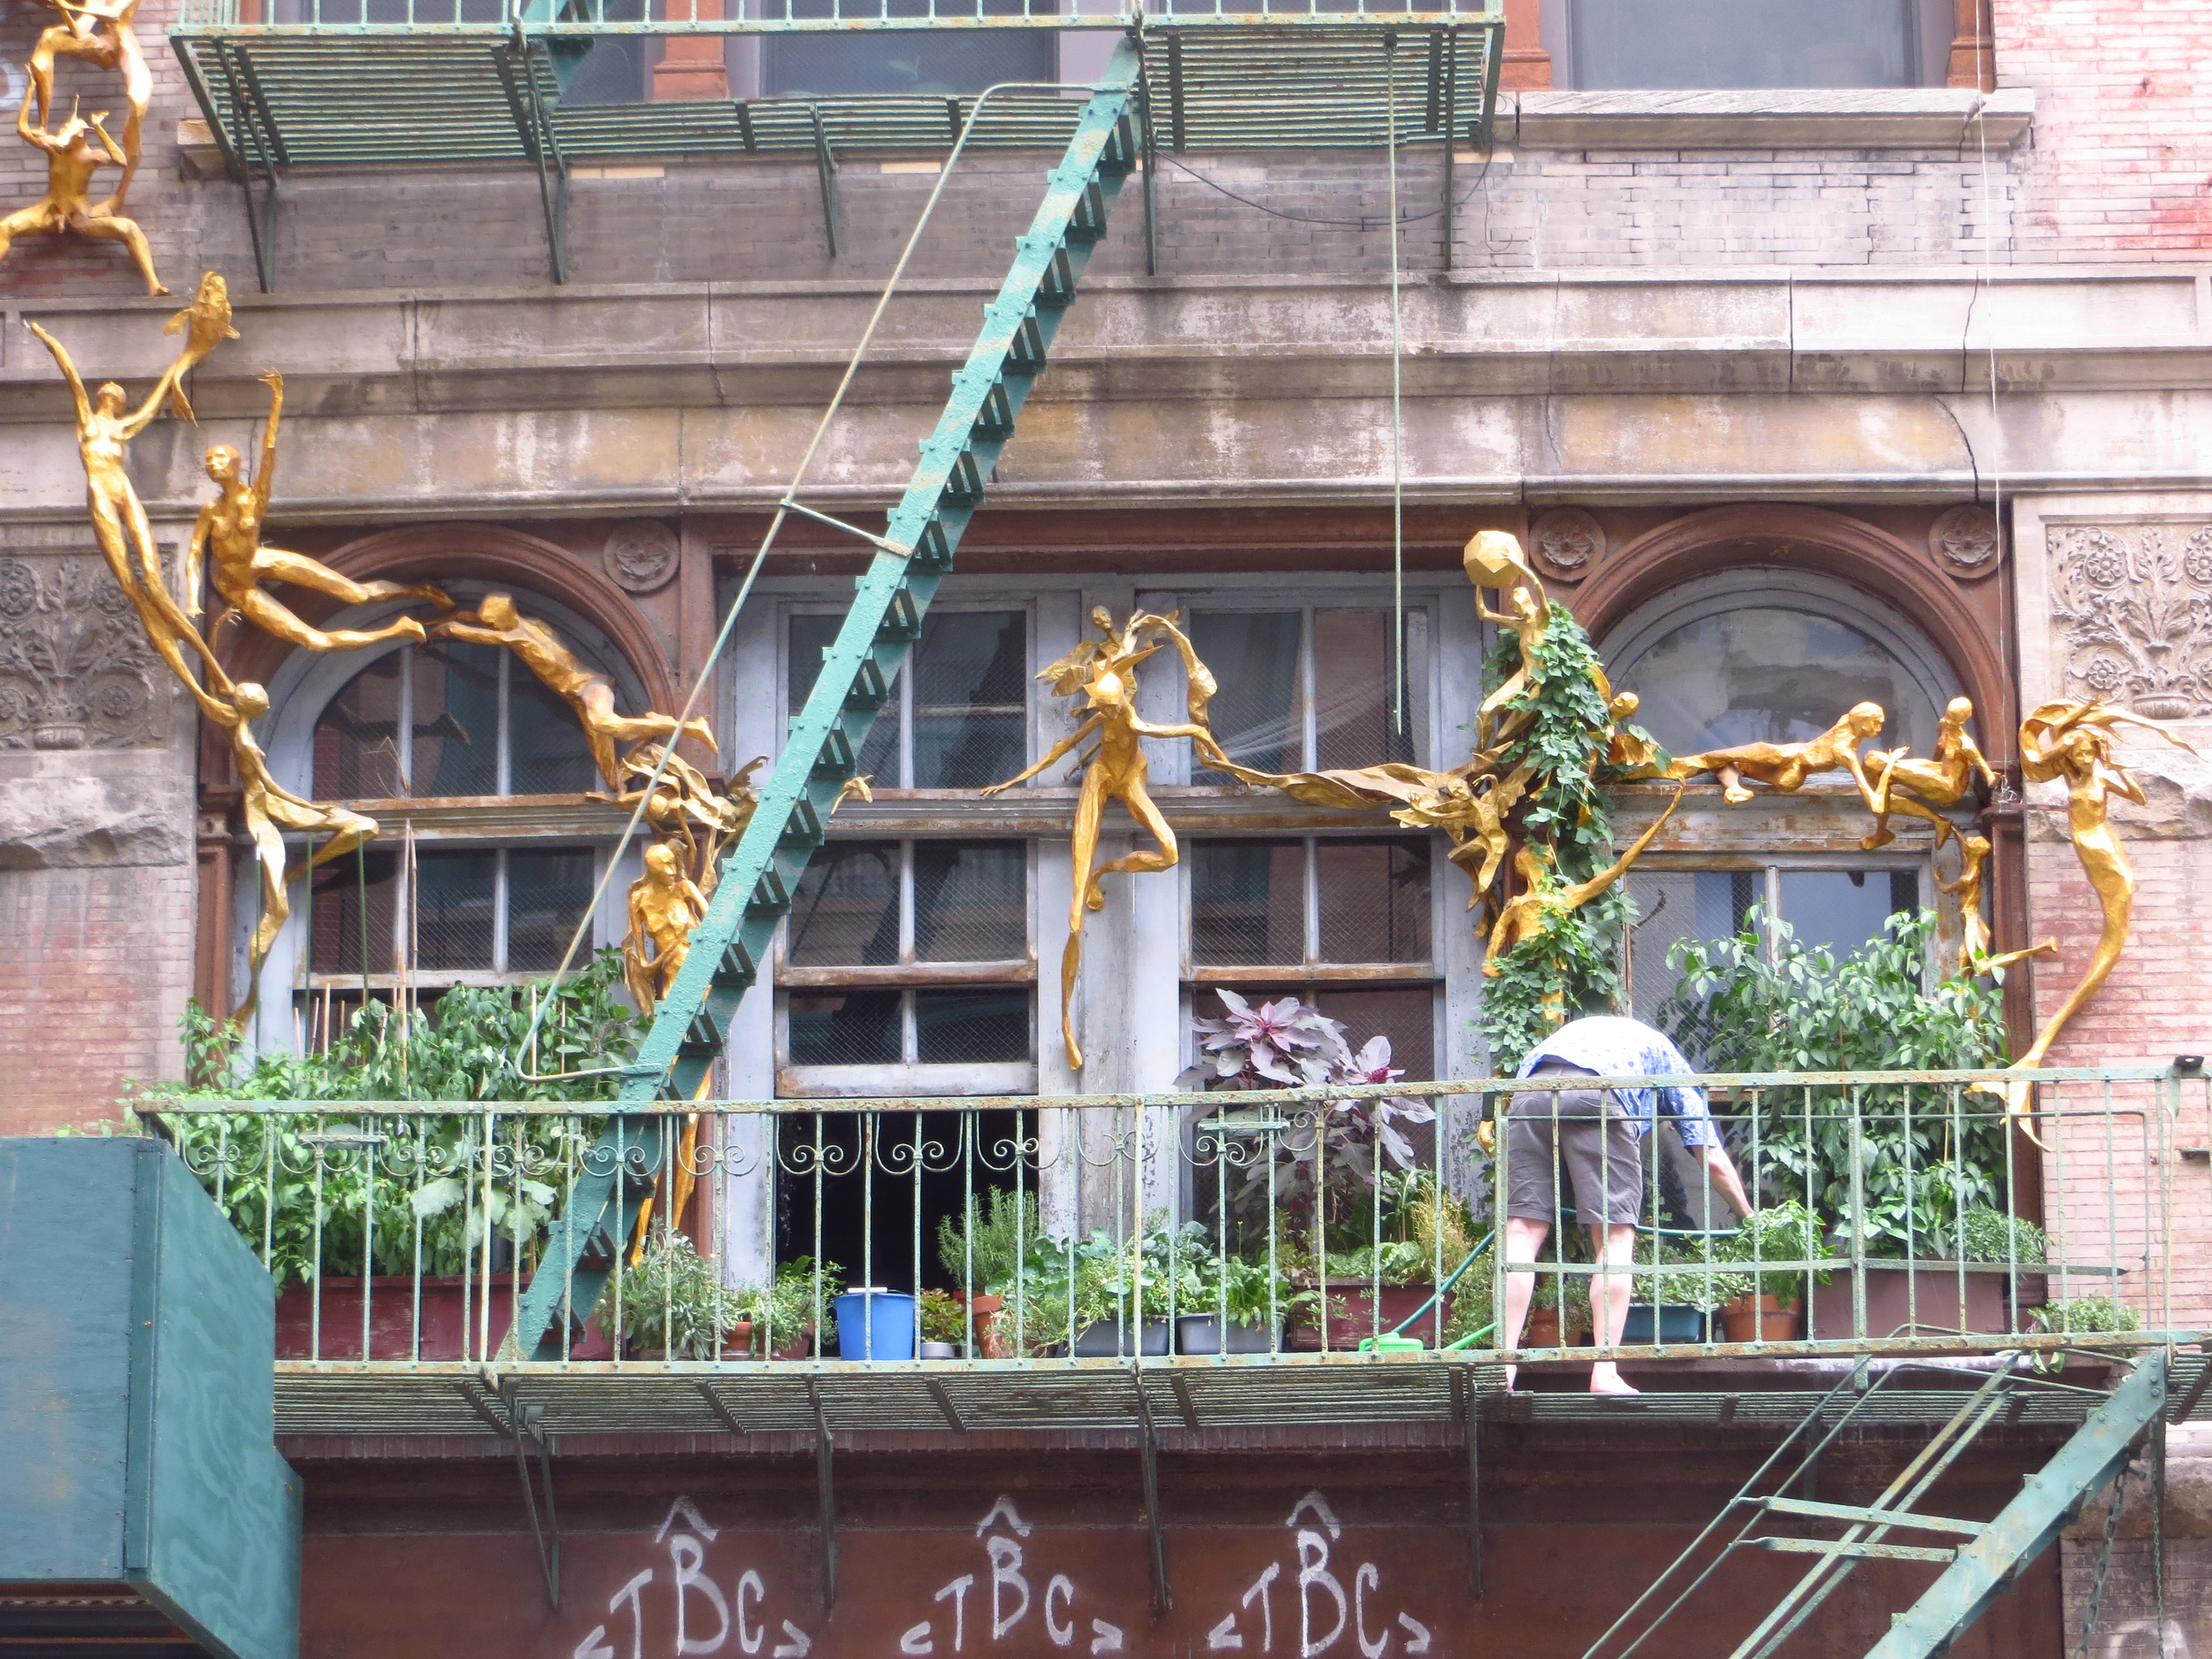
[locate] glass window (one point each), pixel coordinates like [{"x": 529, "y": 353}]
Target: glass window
[
  {"x": 933, "y": 917},
  {"x": 966, "y": 722},
  {"x": 1769, "y": 674},
  {"x": 476, "y": 910},
  {"x": 1309, "y": 689},
  {"x": 1343, "y": 924},
  {"x": 445, "y": 722},
  {"x": 801, "y": 65},
  {"x": 1830, "y": 909},
  {"x": 1759, "y": 43}
]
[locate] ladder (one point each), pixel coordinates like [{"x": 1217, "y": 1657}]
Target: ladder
[
  {"x": 859, "y": 670},
  {"x": 1979, "y": 1558}
]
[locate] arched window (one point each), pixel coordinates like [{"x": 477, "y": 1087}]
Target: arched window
[
  {"x": 1763, "y": 653},
  {"x": 478, "y": 775}
]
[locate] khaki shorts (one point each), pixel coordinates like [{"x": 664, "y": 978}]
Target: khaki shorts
[{"x": 1587, "y": 1139}]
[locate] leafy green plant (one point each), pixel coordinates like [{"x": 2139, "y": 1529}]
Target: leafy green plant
[
  {"x": 983, "y": 1254},
  {"x": 1474, "y": 1312},
  {"x": 344, "y": 1194},
  {"x": 1786, "y": 1231},
  {"x": 1249, "y": 1291},
  {"x": 1990, "y": 1235},
  {"x": 944, "y": 1318},
  {"x": 2086, "y": 1316},
  {"x": 674, "y": 1303},
  {"x": 1683, "y": 1274},
  {"x": 782, "y": 1311},
  {"x": 1742, "y": 1008},
  {"x": 1394, "y": 1262}
]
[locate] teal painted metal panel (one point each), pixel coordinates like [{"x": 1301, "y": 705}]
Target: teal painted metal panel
[{"x": 137, "y": 1363}]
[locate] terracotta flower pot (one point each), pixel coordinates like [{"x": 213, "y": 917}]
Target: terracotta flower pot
[
  {"x": 737, "y": 1342},
  {"x": 1354, "y": 1315},
  {"x": 1542, "y": 1329},
  {"x": 986, "y": 1309},
  {"x": 1760, "y": 1319}
]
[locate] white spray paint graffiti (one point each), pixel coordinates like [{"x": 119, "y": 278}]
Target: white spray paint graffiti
[
  {"x": 696, "y": 1600},
  {"x": 1012, "y": 1597},
  {"x": 1327, "y": 1612}
]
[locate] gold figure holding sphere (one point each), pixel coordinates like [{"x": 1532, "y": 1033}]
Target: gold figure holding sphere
[
  {"x": 81, "y": 34},
  {"x": 72, "y": 160}
]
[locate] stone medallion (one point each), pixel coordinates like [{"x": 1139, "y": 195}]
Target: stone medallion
[
  {"x": 1565, "y": 543},
  {"x": 1964, "y": 540},
  {"x": 640, "y": 555}
]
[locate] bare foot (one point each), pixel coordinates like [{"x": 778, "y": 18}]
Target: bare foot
[
  {"x": 1512, "y": 1372},
  {"x": 1604, "y": 1379}
]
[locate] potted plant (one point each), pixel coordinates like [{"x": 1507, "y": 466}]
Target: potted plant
[
  {"x": 1676, "y": 1288},
  {"x": 944, "y": 1324},
  {"x": 1766, "y": 1306},
  {"x": 983, "y": 1256},
  {"x": 781, "y": 1313},
  {"x": 1558, "y": 1312},
  {"x": 673, "y": 1303},
  {"x": 1245, "y": 1305}
]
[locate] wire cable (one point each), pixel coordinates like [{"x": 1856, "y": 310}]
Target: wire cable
[{"x": 1397, "y": 413}]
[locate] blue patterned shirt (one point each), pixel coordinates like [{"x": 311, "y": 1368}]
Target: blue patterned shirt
[{"x": 1609, "y": 1046}]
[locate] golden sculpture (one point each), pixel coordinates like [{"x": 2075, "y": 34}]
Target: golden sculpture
[
  {"x": 270, "y": 810},
  {"x": 1493, "y": 559},
  {"x": 666, "y": 904},
  {"x": 1632, "y": 757},
  {"x": 686, "y": 811},
  {"x": 2075, "y": 741},
  {"x": 1784, "y": 767},
  {"x": 205, "y": 324},
  {"x": 1938, "y": 782},
  {"x": 78, "y": 36},
  {"x": 1541, "y": 901},
  {"x": 71, "y": 161},
  {"x": 496, "y": 621},
  {"x": 1105, "y": 671},
  {"x": 228, "y": 535},
  {"x": 1975, "y": 957},
  {"x": 119, "y": 518}
]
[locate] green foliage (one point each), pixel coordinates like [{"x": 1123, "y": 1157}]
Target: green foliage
[
  {"x": 346, "y": 1194},
  {"x": 1776, "y": 1233},
  {"x": 1005, "y": 1230},
  {"x": 782, "y": 1311},
  {"x": 2087, "y": 1316},
  {"x": 674, "y": 1303},
  {"x": 1474, "y": 1307},
  {"x": 944, "y": 1318},
  {"x": 1571, "y": 964},
  {"x": 1394, "y": 1262},
  {"x": 1739, "y": 1009},
  {"x": 1990, "y": 1235}
]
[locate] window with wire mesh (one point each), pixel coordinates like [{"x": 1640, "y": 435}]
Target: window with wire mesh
[
  {"x": 1341, "y": 923},
  {"x": 958, "y": 715},
  {"x": 1311, "y": 687},
  {"x": 461, "y": 909},
  {"x": 891, "y": 949}
]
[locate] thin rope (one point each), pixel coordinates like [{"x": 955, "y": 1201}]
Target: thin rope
[
  {"x": 1397, "y": 416},
  {"x": 784, "y": 508}
]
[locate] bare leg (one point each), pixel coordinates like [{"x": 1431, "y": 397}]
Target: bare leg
[
  {"x": 273, "y": 563},
  {"x": 1139, "y": 862},
  {"x": 127, "y": 232},
  {"x": 25, "y": 221},
  {"x": 596, "y": 705},
  {"x": 1523, "y": 1239},
  {"x": 272, "y": 617},
  {"x": 1608, "y": 1303},
  {"x": 158, "y": 613},
  {"x": 138, "y": 87},
  {"x": 1090, "y": 807},
  {"x": 1732, "y": 785}
]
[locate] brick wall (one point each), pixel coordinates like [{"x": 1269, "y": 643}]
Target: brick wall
[
  {"x": 95, "y": 972},
  {"x": 2123, "y": 139}
]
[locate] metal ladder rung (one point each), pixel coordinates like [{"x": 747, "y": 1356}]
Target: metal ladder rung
[
  {"x": 1856, "y": 1551},
  {"x": 1854, "y": 1516}
]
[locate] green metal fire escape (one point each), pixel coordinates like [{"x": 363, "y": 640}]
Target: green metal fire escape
[{"x": 1775, "y": 1512}]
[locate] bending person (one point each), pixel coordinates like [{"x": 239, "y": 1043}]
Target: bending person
[
  {"x": 1591, "y": 1140},
  {"x": 78, "y": 36},
  {"x": 71, "y": 161}
]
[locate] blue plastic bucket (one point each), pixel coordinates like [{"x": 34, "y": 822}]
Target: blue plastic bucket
[
  {"x": 1676, "y": 1323},
  {"x": 875, "y": 1324}
]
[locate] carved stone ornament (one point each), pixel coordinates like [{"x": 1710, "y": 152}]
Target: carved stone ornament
[
  {"x": 1566, "y": 542},
  {"x": 1964, "y": 541},
  {"x": 640, "y": 555},
  {"x": 75, "y": 670},
  {"x": 2132, "y": 605}
]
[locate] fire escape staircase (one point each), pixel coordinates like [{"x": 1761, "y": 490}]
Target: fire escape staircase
[
  {"x": 1979, "y": 1559},
  {"x": 858, "y": 669}
]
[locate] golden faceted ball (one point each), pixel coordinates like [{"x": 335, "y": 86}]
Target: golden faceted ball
[{"x": 1493, "y": 560}]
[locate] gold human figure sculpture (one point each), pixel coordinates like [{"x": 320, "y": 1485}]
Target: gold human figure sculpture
[
  {"x": 78, "y": 34},
  {"x": 119, "y": 518},
  {"x": 496, "y": 621},
  {"x": 666, "y": 904},
  {"x": 228, "y": 535},
  {"x": 1541, "y": 900},
  {"x": 270, "y": 810},
  {"x": 1929, "y": 783},
  {"x": 1105, "y": 671},
  {"x": 1975, "y": 957},
  {"x": 1784, "y": 767},
  {"x": 205, "y": 324},
  {"x": 1632, "y": 758},
  {"x": 71, "y": 161},
  {"x": 2075, "y": 741},
  {"x": 686, "y": 809},
  {"x": 1493, "y": 559}
]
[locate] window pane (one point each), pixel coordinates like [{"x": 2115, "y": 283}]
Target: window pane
[
  {"x": 803, "y": 65},
  {"x": 1248, "y": 902},
  {"x": 970, "y": 676},
  {"x": 548, "y": 894},
  {"x": 1374, "y": 900},
  {"x": 1257, "y": 716},
  {"x": 970, "y": 902},
  {"x": 1673, "y": 904},
  {"x": 613, "y": 70},
  {"x": 810, "y": 636},
  {"x": 1736, "y": 43},
  {"x": 1837, "y": 910},
  {"x": 546, "y": 746},
  {"x": 1766, "y": 675},
  {"x": 455, "y": 893},
  {"x": 1354, "y": 658},
  {"x": 844, "y": 1028},
  {"x": 456, "y": 719},
  {"x": 357, "y": 737},
  {"x": 846, "y": 912},
  {"x": 971, "y": 1026},
  {"x": 344, "y": 888}
]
